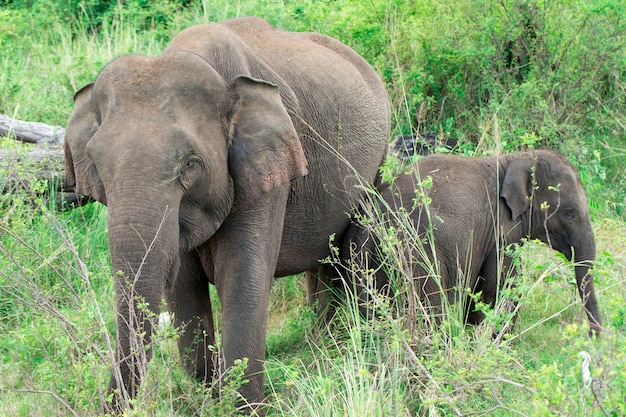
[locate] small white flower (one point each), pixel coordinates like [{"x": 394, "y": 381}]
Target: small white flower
[
  {"x": 164, "y": 321},
  {"x": 584, "y": 368}
]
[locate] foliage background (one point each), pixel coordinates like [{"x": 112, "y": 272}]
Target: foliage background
[
  {"x": 497, "y": 74},
  {"x": 500, "y": 76}
]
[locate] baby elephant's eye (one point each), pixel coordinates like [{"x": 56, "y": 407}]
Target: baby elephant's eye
[{"x": 568, "y": 214}]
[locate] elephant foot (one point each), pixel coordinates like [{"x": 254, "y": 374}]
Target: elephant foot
[
  {"x": 595, "y": 330},
  {"x": 116, "y": 406},
  {"x": 253, "y": 410}
]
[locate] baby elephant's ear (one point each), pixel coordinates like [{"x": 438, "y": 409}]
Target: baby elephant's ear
[
  {"x": 517, "y": 185},
  {"x": 265, "y": 150}
]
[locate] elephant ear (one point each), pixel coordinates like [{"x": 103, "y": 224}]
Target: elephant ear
[
  {"x": 80, "y": 170},
  {"x": 517, "y": 185},
  {"x": 265, "y": 150}
]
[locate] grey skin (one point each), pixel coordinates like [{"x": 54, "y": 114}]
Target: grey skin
[
  {"x": 478, "y": 207},
  {"x": 230, "y": 159}
]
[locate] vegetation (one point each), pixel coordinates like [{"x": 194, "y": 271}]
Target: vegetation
[{"x": 499, "y": 76}]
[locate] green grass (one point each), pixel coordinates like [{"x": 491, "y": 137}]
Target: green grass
[
  {"x": 443, "y": 65},
  {"x": 55, "y": 355}
]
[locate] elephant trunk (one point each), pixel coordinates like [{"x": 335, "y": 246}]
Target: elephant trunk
[
  {"x": 584, "y": 259},
  {"x": 144, "y": 253}
]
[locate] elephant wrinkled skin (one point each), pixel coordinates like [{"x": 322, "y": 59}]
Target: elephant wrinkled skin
[
  {"x": 229, "y": 159},
  {"x": 477, "y": 208}
]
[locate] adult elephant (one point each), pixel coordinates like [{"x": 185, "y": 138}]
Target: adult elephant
[
  {"x": 229, "y": 159},
  {"x": 476, "y": 208}
]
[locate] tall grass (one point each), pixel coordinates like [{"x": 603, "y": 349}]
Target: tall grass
[{"x": 444, "y": 66}]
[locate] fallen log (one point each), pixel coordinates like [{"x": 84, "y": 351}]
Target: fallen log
[
  {"x": 35, "y": 166},
  {"x": 31, "y": 132}
]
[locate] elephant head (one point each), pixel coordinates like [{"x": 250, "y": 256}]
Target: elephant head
[
  {"x": 547, "y": 202},
  {"x": 172, "y": 150}
]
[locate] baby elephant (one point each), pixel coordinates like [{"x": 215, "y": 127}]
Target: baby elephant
[{"x": 465, "y": 213}]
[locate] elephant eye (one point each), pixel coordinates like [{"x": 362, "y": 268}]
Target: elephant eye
[
  {"x": 568, "y": 214},
  {"x": 191, "y": 161},
  {"x": 189, "y": 170}
]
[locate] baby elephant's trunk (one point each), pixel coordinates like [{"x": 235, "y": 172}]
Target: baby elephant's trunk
[{"x": 584, "y": 259}]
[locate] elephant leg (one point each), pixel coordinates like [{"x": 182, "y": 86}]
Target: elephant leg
[
  {"x": 323, "y": 290},
  {"x": 189, "y": 301},
  {"x": 245, "y": 252},
  {"x": 507, "y": 281},
  {"x": 434, "y": 296},
  {"x": 497, "y": 273},
  {"x": 361, "y": 273}
]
